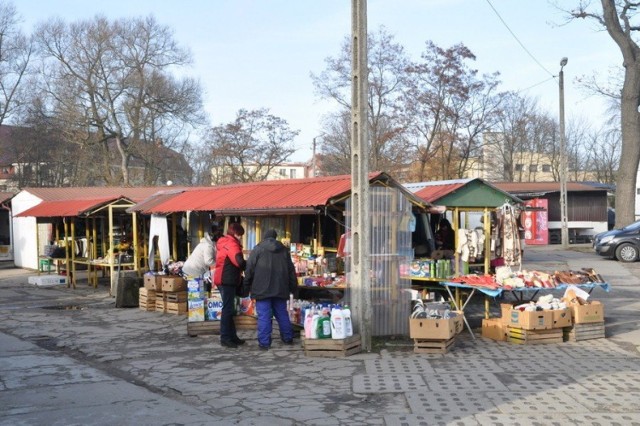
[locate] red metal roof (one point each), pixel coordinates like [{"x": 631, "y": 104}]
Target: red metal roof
[
  {"x": 135, "y": 194},
  {"x": 65, "y": 208},
  {"x": 432, "y": 193},
  {"x": 287, "y": 195}
]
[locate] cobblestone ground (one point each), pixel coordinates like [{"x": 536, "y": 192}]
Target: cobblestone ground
[{"x": 70, "y": 357}]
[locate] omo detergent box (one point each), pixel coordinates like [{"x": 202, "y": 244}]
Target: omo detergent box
[{"x": 213, "y": 307}]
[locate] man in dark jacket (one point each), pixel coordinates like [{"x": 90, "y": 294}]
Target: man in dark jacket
[
  {"x": 270, "y": 277},
  {"x": 228, "y": 277}
]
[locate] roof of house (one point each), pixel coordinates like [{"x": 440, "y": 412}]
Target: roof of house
[
  {"x": 65, "y": 208},
  {"x": 540, "y": 188},
  {"x": 291, "y": 196},
  {"x": 473, "y": 192},
  {"x": 6, "y": 196},
  {"x": 135, "y": 194}
]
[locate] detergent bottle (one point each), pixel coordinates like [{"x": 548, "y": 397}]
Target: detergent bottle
[
  {"x": 314, "y": 323},
  {"x": 324, "y": 326},
  {"x": 337, "y": 323},
  {"x": 346, "y": 318},
  {"x": 308, "y": 322}
]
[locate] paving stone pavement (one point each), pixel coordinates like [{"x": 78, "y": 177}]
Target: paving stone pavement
[{"x": 68, "y": 356}]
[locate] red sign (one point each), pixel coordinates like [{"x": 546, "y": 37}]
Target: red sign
[{"x": 535, "y": 222}]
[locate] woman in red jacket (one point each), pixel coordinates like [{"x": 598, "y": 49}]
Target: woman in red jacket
[{"x": 228, "y": 277}]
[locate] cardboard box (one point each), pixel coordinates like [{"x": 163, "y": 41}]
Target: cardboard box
[
  {"x": 195, "y": 289},
  {"x": 562, "y": 318},
  {"x": 196, "y": 310},
  {"x": 173, "y": 283},
  {"x": 493, "y": 329},
  {"x": 505, "y": 309},
  {"x": 593, "y": 312},
  {"x": 530, "y": 320},
  {"x": 153, "y": 282},
  {"x": 213, "y": 307},
  {"x": 431, "y": 328}
]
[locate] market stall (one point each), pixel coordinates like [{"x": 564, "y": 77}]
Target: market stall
[{"x": 312, "y": 216}]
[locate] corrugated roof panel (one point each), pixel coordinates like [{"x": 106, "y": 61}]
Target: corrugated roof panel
[
  {"x": 136, "y": 194},
  {"x": 432, "y": 193},
  {"x": 64, "y": 208},
  {"x": 279, "y": 194},
  {"x": 525, "y": 187}
]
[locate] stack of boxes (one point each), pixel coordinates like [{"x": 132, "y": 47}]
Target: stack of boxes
[
  {"x": 173, "y": 298},
  {"x": 435, "y": 334},
  {"x": 163, "y": 293},
  {"x": 575, "y": 322}
]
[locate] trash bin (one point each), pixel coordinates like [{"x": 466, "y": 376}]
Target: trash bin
[{"x": 127, "y": 293}]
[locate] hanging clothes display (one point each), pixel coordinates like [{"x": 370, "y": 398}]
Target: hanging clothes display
[{"x": 511, "y": 248}]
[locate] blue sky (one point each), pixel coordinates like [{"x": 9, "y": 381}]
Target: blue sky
[{"x": 259, "y": 53}]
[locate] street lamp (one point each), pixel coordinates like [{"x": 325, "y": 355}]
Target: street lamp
[{"x": 563, "y": 162}]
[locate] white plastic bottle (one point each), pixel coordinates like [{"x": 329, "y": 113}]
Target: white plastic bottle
[
  {"x": 308, "y": 322},
  {"x": 314, "y": 324},
  {"x": 346, "y": 317},
  {"x": 337, "y": 323}
]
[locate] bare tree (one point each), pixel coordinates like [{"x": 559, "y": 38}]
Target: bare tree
[
  {"x": 389, "y": 147},
  {"x": 15, "y": 58},
  {"x": 449, "y": 108},
  {"x": 249, "y": 148},
  {"x": 619, "y": 18},
  {"x": 110, "y": 83}
]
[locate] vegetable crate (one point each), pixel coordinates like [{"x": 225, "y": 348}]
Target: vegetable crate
[
  {"x": 587, "y": 331},
  {"x": 433, "y": 346},
  {"x": 534, "y": 337},
  {"x": 332, "y": 348},
  {"x": 147, "y": 299}
]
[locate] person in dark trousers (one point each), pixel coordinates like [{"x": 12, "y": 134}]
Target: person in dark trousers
[
  {"x": 270, "y": 277},
  {"x": 228, "y": 277}
]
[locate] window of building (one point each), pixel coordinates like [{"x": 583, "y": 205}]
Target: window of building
[
  {"x": 546, "y": 168},
  {"x": 518, "y": 168},
  {"x": 292, "y": 173},
  {"x": 283, "y": 172},
  {"x": 533, "y": 167}
]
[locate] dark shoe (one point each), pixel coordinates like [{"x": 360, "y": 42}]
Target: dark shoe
[
  {"x": 231, "y": 345},
  {"x": 238, "y": 341},
  {"x": 264, "y": 348},
  {"x": 288, "y": 342}
]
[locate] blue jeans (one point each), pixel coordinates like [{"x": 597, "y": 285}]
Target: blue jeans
[
  {"x": 227, "y": 326},
  {"x": 266, "y": 309}
]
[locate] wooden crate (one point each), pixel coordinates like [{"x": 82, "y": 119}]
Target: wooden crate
[
  {"x": 586, "y": 331},
  {"x": 160, "y": 305},
  {"x": 147, "y": 293},
  {"x": 332, "y": 348},
  {"x": 433, "y": 346},
  {"x": 176, "y": 308},
  {"x": 245, "y": 322},
  {"x": 146, "y": 304},
  {"x": 203, "y": 328},
  {"x": 175, "y": 296},
  {"x": 534, "y": 337}
]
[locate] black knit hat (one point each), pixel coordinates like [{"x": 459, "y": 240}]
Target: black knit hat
[{"x": 271, "y": 233}]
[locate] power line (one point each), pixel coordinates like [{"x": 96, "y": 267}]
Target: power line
[{"x": 516, "y": 38}]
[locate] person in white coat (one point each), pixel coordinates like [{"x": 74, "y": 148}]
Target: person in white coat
[{"x": 203, "y": 258}]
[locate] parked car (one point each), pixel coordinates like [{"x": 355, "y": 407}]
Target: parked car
[{"x": 622, "y": 244}]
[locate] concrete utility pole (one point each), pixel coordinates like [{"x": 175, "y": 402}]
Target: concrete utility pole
[
  {"x": 564, "y": 236},
  {"x": 360, "y": 281}
]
